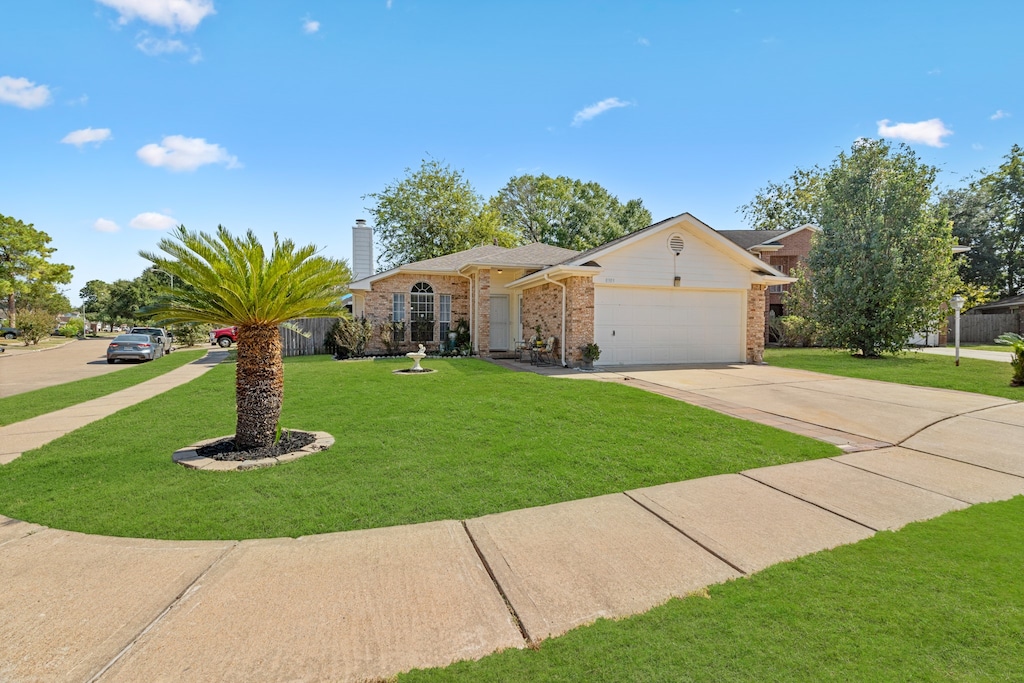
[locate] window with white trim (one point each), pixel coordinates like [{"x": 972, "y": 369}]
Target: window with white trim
[
  {"x": 421, "y": 312},
  {"x": 398, "y": 316},
  {"x": 444, "y": 316}
]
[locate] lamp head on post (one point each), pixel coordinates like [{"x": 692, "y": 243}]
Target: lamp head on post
[{"x": 957, "y": 302}]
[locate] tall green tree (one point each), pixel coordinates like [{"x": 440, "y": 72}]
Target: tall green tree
[
  {"x": 970, "y": 210},
  {"x": 123, "y": 301},
  {"x": 565, "y": 212},
  {"x": 881, "y": 267},
  {"x": 234, "y": 281},
  {"x": 783, "y": 206},
  {"x": 94, "y": 297},
  {"x": 1005, "y": 192},
  {"x": 25, "y": 263},
  {"x": 431, "y": 212}
]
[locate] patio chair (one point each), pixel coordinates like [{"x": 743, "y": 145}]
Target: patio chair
[{"x": 546, "y": 354}]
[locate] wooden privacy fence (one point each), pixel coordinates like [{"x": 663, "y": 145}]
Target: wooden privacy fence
[
  {"x": 982, "y": 329},
  {"x": 294, "y": 344}
]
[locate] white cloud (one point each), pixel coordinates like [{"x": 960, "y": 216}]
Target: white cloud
[
  {"x": 152, "y": 221},
  {"x": 389, "y": 4},
  {"x": 934, "y": 72},
  {"x": 154, "y": 47},
  {"x": 171, "y": 14},
  {"x": 310, "y": 26},
  {"x": 105, "y": 225},
  {"x": 928, "y": 132},
  {"x": 79, "y": 101},
  {"x": 643, "y": 41},
  {"x": 977, "y": 147},
  {"x": 23, "y": 93},
  {"x": 1000, "y": 114},
  {"x": 87, "y": 135},
  {"x": 179, "y": 153},
  {"x": 598, "y": 108}
]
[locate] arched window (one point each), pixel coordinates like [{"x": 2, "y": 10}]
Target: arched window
[{"x": 421, "y": 304}]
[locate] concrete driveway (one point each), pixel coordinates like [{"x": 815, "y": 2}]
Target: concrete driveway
[
  {"x": 882, "y": 411},
  {"x": 21, "y": 372}
]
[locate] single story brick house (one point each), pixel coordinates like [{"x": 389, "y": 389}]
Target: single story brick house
[{"x": 675, "y": 292}]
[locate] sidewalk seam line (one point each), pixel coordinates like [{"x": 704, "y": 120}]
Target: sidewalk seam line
[
  {"x": 811, "y": 502},
  {"x": 900, "y": 481},
  {"x": 158, "y": 618},
  {"x": 684, "y": 534},
  {"x": 501, "y": 591}
]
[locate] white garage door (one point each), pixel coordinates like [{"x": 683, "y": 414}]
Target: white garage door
[{"x": 645, "y": 326}]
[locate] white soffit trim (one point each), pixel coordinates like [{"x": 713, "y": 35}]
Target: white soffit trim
[{"x": 555, "y": 272}]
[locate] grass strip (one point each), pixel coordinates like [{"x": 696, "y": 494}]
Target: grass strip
[
  {"x": 919, "y": 369},
  {"x": 41, "y": 401},
  {"x": 937, "y": 601},
  {"x": 468, "y": 440}
]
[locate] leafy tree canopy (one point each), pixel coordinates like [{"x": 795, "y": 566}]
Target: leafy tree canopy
[
  {"x": 881, "y": 267},
  {"x": 1005, "y": 192},
  {"x": 431, "y": 212},
  {"x": 25, "y": 263},
  {"x": 565, "y": 212},
  {"x": 783, "y": 206}
]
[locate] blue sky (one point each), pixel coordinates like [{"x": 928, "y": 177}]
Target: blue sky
[{"x": 119, "y": 118}]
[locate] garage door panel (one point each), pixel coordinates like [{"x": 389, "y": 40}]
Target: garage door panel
[{"x": 643, "y": 326}]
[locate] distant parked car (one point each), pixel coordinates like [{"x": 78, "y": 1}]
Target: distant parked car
[
  {"x": 141, "y": 347},
  {"x": 224, "y": 337},
  {"x": 9, "y": 332},
  {"x": 166, "y": 338}
]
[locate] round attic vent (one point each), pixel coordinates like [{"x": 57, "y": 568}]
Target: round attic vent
[{"x": 676, "y": 244}]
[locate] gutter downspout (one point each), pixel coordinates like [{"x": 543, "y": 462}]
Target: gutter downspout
[
  {"x": 472, "y": 302},
  {"x": 547, "y": 278}
]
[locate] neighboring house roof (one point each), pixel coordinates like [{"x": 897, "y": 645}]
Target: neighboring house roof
[
  {"x": 1009, "y": 302},
  {"x": 751, "y": 238}
]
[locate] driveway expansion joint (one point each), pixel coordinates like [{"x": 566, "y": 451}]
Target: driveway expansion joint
[{"x": 530, "y": 642}]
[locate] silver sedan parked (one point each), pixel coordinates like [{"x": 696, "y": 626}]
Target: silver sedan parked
[{"x": 139, "y": 347}]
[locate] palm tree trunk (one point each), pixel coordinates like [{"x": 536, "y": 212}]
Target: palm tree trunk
[{"x": 259, "y": 386}]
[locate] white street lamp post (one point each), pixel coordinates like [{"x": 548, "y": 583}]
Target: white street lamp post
[{"x": 957, "y": 302}]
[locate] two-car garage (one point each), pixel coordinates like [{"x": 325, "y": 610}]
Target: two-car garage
[{"x": 650, "y": 325}]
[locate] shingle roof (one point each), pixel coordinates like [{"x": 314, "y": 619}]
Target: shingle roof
[
  {"x": 458, "y": 259},
  {"x": 1006, "y": 302},
  {"x": 750, "y": 238},
  {"x": 533, "y": 254}
]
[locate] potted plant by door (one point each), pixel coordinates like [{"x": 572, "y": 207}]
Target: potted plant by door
[{"x": 591, "y": 352}]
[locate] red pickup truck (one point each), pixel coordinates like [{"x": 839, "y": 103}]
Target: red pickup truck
[{"x": 224, "y": 337}]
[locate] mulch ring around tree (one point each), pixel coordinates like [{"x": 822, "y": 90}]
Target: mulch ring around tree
[{"x": 220, "y": 453}]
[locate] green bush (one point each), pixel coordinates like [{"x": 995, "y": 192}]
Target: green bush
[
  {"x": 34, "y": 325},
  {"x": 72, "y": 328},
  {"x": 797, "y": 331},
  {"x": 351, "y": 337},
  {"x": 1016, "y": 344},
  {"x": 190, "y": 334},
  {"x": 391, "y": 334}
]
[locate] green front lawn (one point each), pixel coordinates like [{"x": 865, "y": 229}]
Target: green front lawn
[
  {"x": 920, "y": 369},
  {"x": 937, "y": 601},
  {"x": 468, "y": 440},
  {"x": 41, "y": 401}
]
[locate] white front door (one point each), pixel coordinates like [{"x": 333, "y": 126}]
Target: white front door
[{"x": 499, "y": 322}]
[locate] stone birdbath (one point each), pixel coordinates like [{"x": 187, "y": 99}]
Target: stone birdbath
[{"x": 417, "y": 356}]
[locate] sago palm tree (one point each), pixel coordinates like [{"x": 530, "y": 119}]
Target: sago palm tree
[{"x": 234, "y": 282}]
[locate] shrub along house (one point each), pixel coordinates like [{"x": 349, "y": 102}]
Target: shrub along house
[{"x": 674, "y": 292}]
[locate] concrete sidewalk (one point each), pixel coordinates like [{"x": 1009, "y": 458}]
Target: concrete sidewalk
[
  {"x": 19, "y": 437},
  {"x": 1000, "y": 356},
  {"x": 368, "y": 604}
]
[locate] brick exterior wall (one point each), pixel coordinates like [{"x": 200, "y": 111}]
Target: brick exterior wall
[
  {"x": 542, "y": 305},
  {"x": 377, "y": 304},
  {"x": 795, "y": 250},
  {"x": 755, "y": 323},
  {"x": 483, "y": 313},
  {"x": 579, "y": 318}
]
